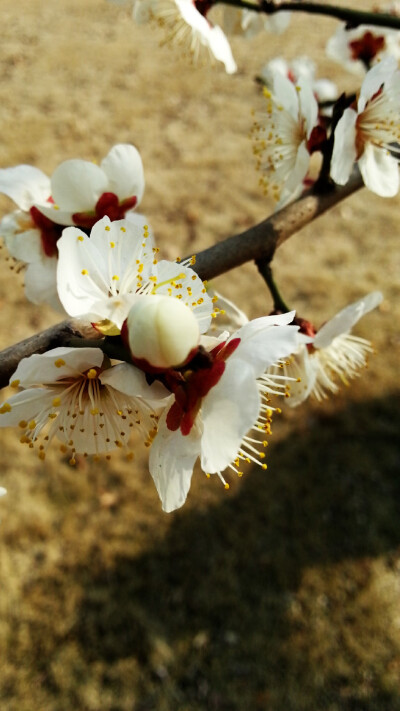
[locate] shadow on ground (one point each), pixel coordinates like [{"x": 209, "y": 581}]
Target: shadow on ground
[{"x": 282, "y": 597}]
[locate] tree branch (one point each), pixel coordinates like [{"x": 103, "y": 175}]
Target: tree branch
[
  {"x": 258, "y": 242},
  {"x": 261, "y": 241},
  {"x": 351, "y": 17}
]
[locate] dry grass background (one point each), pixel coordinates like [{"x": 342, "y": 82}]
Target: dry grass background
[{"x": 283, "y": 593}]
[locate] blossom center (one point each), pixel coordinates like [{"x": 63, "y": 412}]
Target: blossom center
[
  {"x": 108, "y": 205},
  {"x": 367, "y": 47},
  {"x": 194, "y": 382}
]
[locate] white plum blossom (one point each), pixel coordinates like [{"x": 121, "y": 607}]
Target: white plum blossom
[
  {"x": 102, "y": 276},
  {"x": 370, "y": 135},
  {"x": 79, "y": 192},
  {"x": 248, "y": 23},
  {"x": 83, "y": 192},
  {"x": 222, "y": 395},
  {"x": 360, "y": 48},
  {"x": 30, "y": 237},
  {"x": 186, "y": 25},
  {"x": 3, "y": 491},
  {"x": 330, "y": 354},
  {"x": 299, "y": 68},
  {"x": 283, "y": 136},
  {"x": 69, "y": 393}
]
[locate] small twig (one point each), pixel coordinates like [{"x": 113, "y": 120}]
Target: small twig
[
  {"x": 261, "y": 241},
  {"x": 265, "y": 270}
]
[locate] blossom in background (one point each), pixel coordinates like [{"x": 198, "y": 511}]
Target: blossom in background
[
  {"x": 283, "y": 136},
  {"x": 30, "y": 237},
  {"x": 102, "y": 276},
  {"x": 248, "y": 23},
  {"x": 2, "y": 491},
  {"x": 330, "y": 354},
  {"x": 78, "y": 192},
  {"x": 69, "y": 393},
  {"x": 371, "y": 134},
  {"x": 215, "y": 402},
  {"x": 299, "y": 68},
  {"x": 186, "y": 25},
  {"x": 360, "y": 48}
]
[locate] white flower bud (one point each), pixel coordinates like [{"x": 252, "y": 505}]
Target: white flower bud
[{"x": 162, "y": 330}]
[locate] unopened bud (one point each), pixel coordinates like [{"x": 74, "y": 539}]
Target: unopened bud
[{"x": 162, "y": 331}]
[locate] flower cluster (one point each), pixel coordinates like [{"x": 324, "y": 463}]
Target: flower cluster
[
  {"x": 159, "y": 365},
  {"x": 78, "y": 193},
  {"x": 159, "y": 368},
  {"x": 365, "y": 131}
]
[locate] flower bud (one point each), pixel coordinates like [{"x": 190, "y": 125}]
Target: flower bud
[{"x": 162, "y": 330}]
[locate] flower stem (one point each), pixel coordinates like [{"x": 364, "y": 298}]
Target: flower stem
[{"x": 265, "y": 270}]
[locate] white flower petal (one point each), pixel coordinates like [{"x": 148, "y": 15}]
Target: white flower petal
[
  {"x": 262, "y": 344},
  {"x": 344, "y": 321},
  {"x": 299, "y": 170},
  {"x": 379, "y": 170},
  {"x": 228, "y": 412},
  {"x": 308, "y": 103},
  {"x": 132, "y": 382},
  {"x": 229, "y": 316},
  {"x": 285, "y": 93},
  {"x": 56, "y": 364},
  {"x": 76, "y": 185},
  {"x": 53, "y": 212},
  {"x": 82, "y": 272},
  {"x": 125, "y": 244},
  {"x": 25, "y": 246},
  {"x": 374, "y": 79},
  {"x": 344, "y": 149},
  {"x": 221, "y": 49},
  {"x": 41, "y": 283},
  {"x": 172, "y": 457},
  {"x": 25, "y": 406},
  {"x": 25, "y": 185},
  {"x": 124, "y": 169}
]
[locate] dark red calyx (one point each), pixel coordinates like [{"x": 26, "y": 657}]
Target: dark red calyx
[
  {"x": 306, "y": 327},
  {"x": 108, "y": 205},
  {"x": 194, "y": 382},
  {"x": 50, "y": 233},
  {"x": 203, "y": 6},
  {"x": 367, "y": 47},
  {"x": 317, "y": 140}
]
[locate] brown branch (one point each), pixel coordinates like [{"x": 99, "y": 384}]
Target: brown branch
[
  {"x": 258, "y": 242},
  {"x": 62, "y": 334},
  {"x": 352, "y": 18},
  {"x": 261, "y": 241}
]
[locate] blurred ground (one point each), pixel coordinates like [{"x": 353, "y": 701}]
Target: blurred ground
[{"x": 283, "y": 593}]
